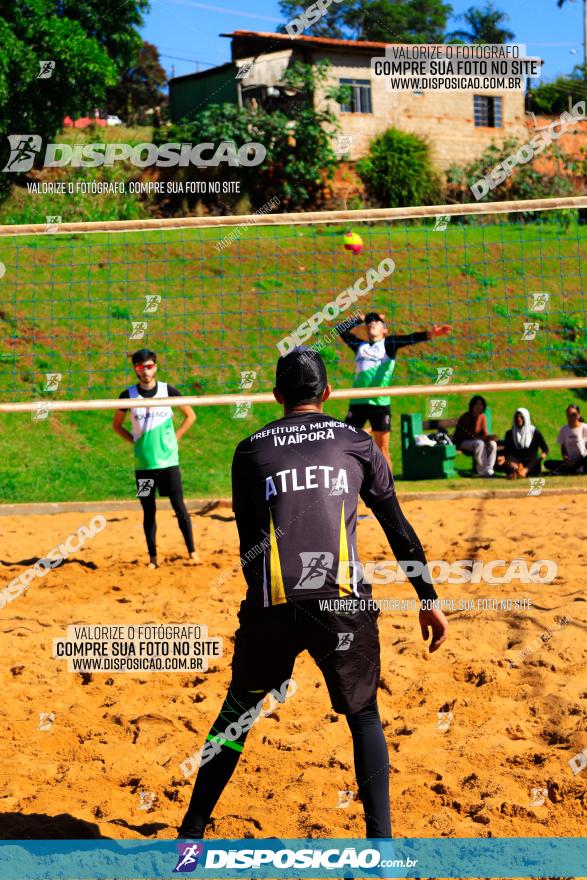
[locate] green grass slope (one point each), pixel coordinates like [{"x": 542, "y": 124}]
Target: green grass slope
[{"x": 68, "y": 303}]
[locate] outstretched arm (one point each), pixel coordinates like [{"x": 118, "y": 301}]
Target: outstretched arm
[
  {"x": 409, "y": 552},
  {"x": 395, "y": 341},
  {"x": 343, "y": 329}
]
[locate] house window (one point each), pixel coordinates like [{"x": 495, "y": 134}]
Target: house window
[
  {"x": 487, "y": 111},
  {"x": 360, "y": 96}
]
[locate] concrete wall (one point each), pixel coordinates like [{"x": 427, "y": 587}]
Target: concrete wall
[{"x": 443, "y": 119}]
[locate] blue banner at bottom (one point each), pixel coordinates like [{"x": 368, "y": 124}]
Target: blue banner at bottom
[{"x": 276, "y": 858}]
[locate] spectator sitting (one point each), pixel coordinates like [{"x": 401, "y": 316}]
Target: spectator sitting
[
  {"x": 472, "y": 438},
  {"x": 524, "y": 448},
  {"x": 572, "y": 438}
]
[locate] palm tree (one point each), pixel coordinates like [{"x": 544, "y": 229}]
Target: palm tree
[
  {"x": 485, "y": 25},
  {"x": 561, "y": 3}
]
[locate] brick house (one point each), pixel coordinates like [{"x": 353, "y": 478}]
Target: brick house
[{"x": 458, "y": 126}]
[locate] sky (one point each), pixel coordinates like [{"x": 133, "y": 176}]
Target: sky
[{"x": 186, "y": 32}]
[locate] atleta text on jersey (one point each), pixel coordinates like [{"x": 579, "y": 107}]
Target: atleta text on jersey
[{"x": 295, "y": 488}]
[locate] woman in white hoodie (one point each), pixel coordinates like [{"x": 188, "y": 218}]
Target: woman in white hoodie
[{"x": 524, "y": 447}]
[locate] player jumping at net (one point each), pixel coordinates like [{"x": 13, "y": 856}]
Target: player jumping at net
[
  {"x": 156, "y": 450},
  {"x": 295, "y": 489},
  {"x": 374, "y": 366}
]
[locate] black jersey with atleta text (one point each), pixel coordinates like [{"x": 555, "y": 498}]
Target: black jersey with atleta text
[{"x": 295, "y": 488}]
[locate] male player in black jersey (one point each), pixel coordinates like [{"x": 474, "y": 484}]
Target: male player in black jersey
[{"x": 295, "y": 489}]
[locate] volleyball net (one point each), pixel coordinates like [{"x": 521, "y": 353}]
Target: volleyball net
[{"x": 220, "y": 298}]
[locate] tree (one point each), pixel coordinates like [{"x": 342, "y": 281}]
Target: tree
[
  {"x": 89, "y": 43},
  {"x": 485, "y": 26},
  {"x": 139, "y": 88},
  {"x": 561, "y": 3},
  {"x": 300, "y": 158},
  {"x": 398, "y": 171},
  {"x": 386, "y": 21},
  {"x": 553, "y": 97},
  {"x": 398, "y": 21},
  {"x": 331, "y": 24}
]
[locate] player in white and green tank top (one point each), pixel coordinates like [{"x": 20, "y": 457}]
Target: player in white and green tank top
[
  {"x": 374, "y": 366},
  {"x": 155, "y": 449}
]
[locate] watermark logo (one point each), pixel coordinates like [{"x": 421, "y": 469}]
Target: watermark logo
[
  {"x": 339, "y": 484},
  {"x": 245, "y": 70},
  {"x": 139, "y": 328},
  {"x": 46, "y": 720},
  {"x": 538, "y": 301},
  {"x": 344, "y": 641},
  {"x": 541, "y": 139},
  {"x": 331, "y": 310},
  {"x": 343, "y": 144},
  {"x": 531, "y": 328},
  {"x": 537, "y": 643},
  {"x": 147, "y": 800},
  {"x": 247, "y": 379},
  {"x": 52, "y": 222},
  {"x": 242, "y": 409},
  {"x": 538, "y": 796},
  {"x": 152, "y": 302},
  {"x": 537, "y": 484},
  {"x": 444, "y": 721},
  {"x": 578, "y": 762},
  {"x": 54, "y": 558},
  {"x": 41, "y": 411},
  {"x": 46, "y": 69},
  {"x": 310, "y": 16},
  {"x": 26, "y": 147},
  {"x": 344, "y": 799},
  {"x": 188, "y": 858},
  {"x": 443, "y": 375},
  {"x": 315, "y": 568},
  {"x": 235, "y": 730},
  {"x": 53, "y": 381},
  {"x": 144, "y": 486},
  {"x": 236, "y": 233},
  {"x": 23, "y": 150},
  {"x": 441, "y": 222},
  {"x": 436, "y": 407}
]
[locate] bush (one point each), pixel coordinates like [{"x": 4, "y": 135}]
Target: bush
[
  {"x": 553, "y": 97},
  {"x": 525, "y": 182},
  {"x": 398, "y": 171}
]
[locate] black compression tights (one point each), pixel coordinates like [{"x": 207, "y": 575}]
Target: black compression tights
[
  {"x": 149, "y": 506},
  {"x": 371, "y": 767}
]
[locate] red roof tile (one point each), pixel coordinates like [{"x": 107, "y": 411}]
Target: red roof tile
[{"x": 320, "y": 41}]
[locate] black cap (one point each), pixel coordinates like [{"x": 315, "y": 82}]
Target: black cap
[
  {"x": 143, "y": 355},
  {"x": 373, "y": 316},
  {"x": 300, "y": 375}
]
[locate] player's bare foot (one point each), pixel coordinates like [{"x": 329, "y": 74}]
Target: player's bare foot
[
  {"x": 195, "y": 558},
  {"x": 153, "y": 562}
]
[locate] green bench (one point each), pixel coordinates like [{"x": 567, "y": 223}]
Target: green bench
[{"x": 428, "y": 462}]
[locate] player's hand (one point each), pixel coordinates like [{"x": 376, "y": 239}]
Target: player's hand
[
  {"x": 436, "y": 621},
  {"x": 441, "y": 329}
]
